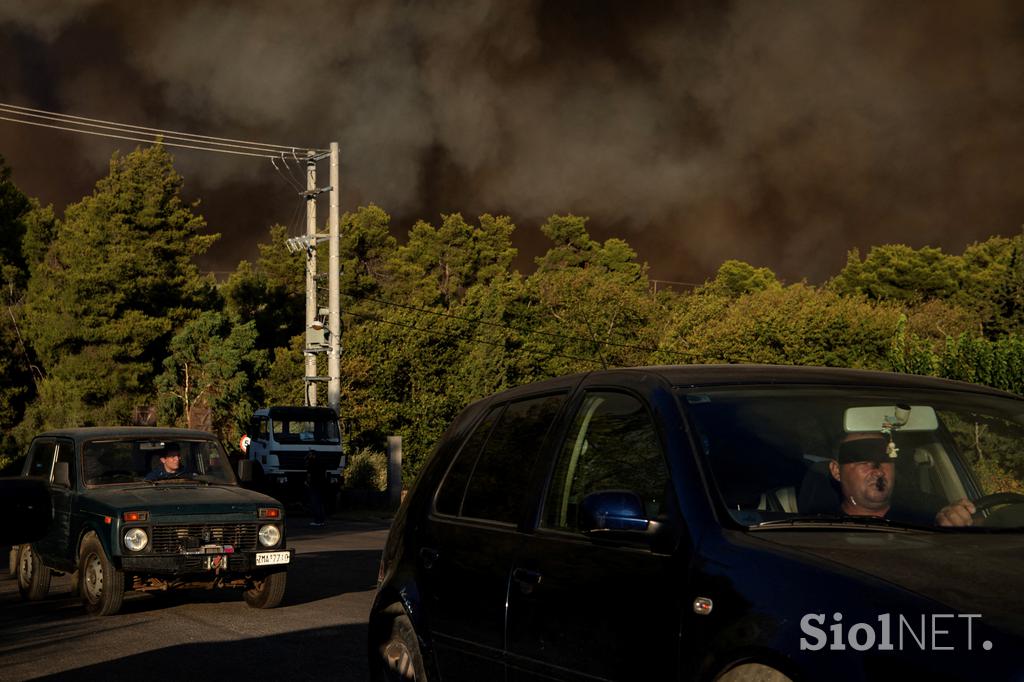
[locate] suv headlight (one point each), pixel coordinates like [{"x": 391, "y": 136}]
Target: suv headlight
[
  {"x": 136, "y": 539},
  {"x": 269, "y": 535}
]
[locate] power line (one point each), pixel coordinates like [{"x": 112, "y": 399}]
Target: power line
[
  {"x": 154, "y": 140},
  {"x": 126, "y": 127}
]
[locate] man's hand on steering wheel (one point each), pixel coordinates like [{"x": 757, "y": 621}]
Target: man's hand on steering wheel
[{"x": 959, "y": 513}]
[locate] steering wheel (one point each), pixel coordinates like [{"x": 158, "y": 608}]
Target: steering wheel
[{"x": 986, "y": 502}]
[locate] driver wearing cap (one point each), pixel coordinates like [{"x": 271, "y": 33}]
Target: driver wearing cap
[
  {"x": 169, "y": 467},
  {"x": 865, "y": 467}
]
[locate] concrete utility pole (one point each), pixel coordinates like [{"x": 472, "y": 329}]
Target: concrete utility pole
[
  {"x": 311, "y": 299},
  {"x": 334, "y": 289}
]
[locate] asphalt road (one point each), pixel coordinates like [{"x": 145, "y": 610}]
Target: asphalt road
[{"x": 318, "y": 633}]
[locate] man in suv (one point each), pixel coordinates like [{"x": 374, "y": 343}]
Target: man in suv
[{"x": 122, "y": 524}]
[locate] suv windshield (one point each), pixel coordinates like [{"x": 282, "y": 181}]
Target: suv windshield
[
  {"x": 109, "y": 462},
  {"x": 779, "y": 455}
]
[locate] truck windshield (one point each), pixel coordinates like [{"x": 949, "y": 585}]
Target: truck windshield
[
  {"x": 320, "y": 431},
  {"x": 109, "y": 462}
]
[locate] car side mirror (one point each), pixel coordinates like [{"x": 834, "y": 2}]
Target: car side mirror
[
  {"x": 614, "y": 510},
  {"x": 61, "y": 475},
  {"x": 245, "y": 470}
]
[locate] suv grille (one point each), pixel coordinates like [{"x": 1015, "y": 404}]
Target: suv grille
[{"x": 178, "y": 539}]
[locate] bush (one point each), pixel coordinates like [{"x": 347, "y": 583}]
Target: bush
[{"x": 367, "y": 470}]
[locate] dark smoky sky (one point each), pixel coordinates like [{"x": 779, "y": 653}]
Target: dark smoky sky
[{"x": 781, "y": 133}]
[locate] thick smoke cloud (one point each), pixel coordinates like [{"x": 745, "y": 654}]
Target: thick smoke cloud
[{"x": 780, "y": 133}]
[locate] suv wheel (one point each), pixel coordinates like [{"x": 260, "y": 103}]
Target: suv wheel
[
  {"x": 266, "y": 591},
  {"x": 33, "y": 576},
  {"x": 399, "y": 658},
  {"x": 100, "y": 584},
  {"x": 12, "y": 562}
]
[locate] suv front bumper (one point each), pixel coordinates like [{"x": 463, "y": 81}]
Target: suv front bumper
[{"x": 189, "y": 564}]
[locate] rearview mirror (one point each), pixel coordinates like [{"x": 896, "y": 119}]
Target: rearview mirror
[
  {"x": 245, "y": 470},
  {"x": 900, "y": 417}
]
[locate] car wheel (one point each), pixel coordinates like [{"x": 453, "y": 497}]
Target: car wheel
[
  {"x": 99, "y": 583},
  {"x": 399, "y": 658},
  {"x": 33, "y": 576},
  {"x": 266, "y": 591},
  {"x": 753, "y": 672}
]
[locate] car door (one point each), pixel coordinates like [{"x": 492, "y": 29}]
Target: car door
[
  {"x": 41, "y": 456},
  {"x": 472, "y": 536},
  {"x": 587, "y": 608},
  {"x": 63, "y": 497}
]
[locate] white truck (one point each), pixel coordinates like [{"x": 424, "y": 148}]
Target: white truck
[{"x": 279, "y": 440}]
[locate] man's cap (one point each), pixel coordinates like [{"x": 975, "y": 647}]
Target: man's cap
[{"x": 864, "y": 447}]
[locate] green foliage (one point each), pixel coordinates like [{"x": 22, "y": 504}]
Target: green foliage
[
  {"x": 901, "y": 273},
  {"x": 117, "y": 279},
  {"x": 735, "y": 278},
  {"x": 211, "y": 365},
  {"x": 794, "y": 325},
  {"x": 367, "y": 470},
  {"x": 271, "y": 293}
]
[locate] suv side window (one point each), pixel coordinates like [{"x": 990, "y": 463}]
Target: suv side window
[
  {"x": 500, "y": 479},
  {"x": 40, "y": 459},
  {"x": 66, "y": 455},
  {"x": 612, "y": 445},
  {"x": 453, "y": 489}
]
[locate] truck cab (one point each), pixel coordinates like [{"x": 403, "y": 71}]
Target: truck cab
[{"x": 281, "y": 438}]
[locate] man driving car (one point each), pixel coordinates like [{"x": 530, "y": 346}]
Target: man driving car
[
  {"x": 170, "y": 465},
  {"x": 865, "y": 467}
]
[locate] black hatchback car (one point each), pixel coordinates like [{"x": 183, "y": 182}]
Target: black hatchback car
[{"x": 711, "y": 522}]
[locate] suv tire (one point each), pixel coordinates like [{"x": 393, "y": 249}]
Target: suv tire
[
  {"x": 33, "y": 575},
  {"x": 266, "y": 591},
  {"x": 100, "y": 584}
]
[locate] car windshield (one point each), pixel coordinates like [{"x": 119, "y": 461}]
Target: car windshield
[
  {"x": 780, "y": 456},
  {"x": 120, "y": 461}
]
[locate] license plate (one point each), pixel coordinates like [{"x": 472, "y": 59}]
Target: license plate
[{"x": 270, "y": 558}]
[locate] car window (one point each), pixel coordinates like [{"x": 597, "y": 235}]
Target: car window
[
  {"x": 612, "y": 445},
  {"x": 499, "y": 480},
  {"x": 781, "y": 452},
  {"x": 453, "y": 488},
  {"x": 66, "y": 455},
  {"x": 40, "y": 459},
  {"x": 110, "y": 462}
]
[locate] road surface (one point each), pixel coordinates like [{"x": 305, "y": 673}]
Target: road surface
[{"x": 318, "y": 633}]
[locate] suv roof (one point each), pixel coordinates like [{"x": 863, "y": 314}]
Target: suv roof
[{"x": 84, "y": 433}]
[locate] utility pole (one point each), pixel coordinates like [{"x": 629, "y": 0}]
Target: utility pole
[
  {"x": 334, "y": 289},
  {"x": 311, "y": 298}
]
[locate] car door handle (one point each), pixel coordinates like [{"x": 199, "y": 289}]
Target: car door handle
[
  {"x": 525, "y": 577},
  {"x": 428, "y": 556}
]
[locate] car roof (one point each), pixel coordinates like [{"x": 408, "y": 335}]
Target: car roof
[
  {"x": 759, "y": 375},
  {"x": 85, "y": 433},
  {"x": 725, "y": 375}
]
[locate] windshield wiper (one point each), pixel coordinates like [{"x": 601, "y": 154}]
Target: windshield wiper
[{"x": 860, "y": 522}]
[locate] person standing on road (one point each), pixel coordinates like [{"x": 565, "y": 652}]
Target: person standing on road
[{"x": 316, "y": 482}]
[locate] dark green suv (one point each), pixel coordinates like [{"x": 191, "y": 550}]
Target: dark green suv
[{"x": 148, "y": 509}]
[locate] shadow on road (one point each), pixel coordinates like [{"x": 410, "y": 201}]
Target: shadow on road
[{"x": 340, "y": 653}]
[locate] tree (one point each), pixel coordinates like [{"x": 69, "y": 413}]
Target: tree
[
  {"x": 213, "y": 365},
  {"x": 900, "y": 273},
  {"x": 443, "y": 262},
  {"x": 116, "y": 281},
  {"x": 735, "y": 278},
  {"x": 16, "y": 379},
  {"x": 271, "y": 293}
]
